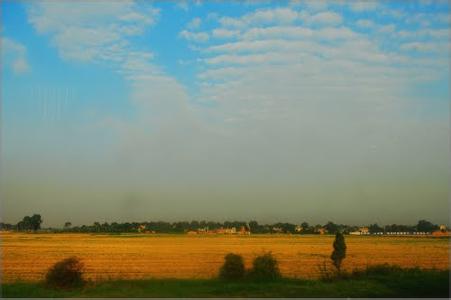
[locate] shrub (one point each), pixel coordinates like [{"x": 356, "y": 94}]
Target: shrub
[
  {"x": 265, "y": 267},
  {"x": 382, "y": 270},
  {"x": 233, "y": 267},
  {"x": 67, "y": 273}
]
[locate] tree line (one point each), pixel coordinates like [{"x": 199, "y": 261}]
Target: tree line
[{"x": 33, "y": 223}]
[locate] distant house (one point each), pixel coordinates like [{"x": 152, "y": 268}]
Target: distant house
[
  {"x": 443, "y": 231},
  {"x": 298, "y": 228},
  {"x": 244, "y": 230},
  {"x": 361, "y": 231},
  {"x": 202, "y": 230},
  {"x": 364, "y": 230},
  {"x": 277, "y": 229},
  {"x": 321, "y": 230}
]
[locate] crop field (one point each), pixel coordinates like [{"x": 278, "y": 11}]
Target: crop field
[{"x": 26, "y": 257}]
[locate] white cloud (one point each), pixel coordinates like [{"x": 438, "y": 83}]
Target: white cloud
[
  {"x": 326, "y": 18},
  {"x": 91, "y": 30},
  {"x": 194, "y": 36},
  {"x": 425, "y": 46},
  {"x": 183, "y": 5},
  {"x": 288, "y": 60},
  {"x": 225, "y": 33},
  {"x": 194, "y": 24},
  {"x": 433, "y": 33},
  {"x": 20, "y": 66},
  {"x": 316, "y": 5},
  {"x": 389, "y": 28},
  {"x": 262, "y": 16},
  {"x": 277, "y": 32},
  {"x": 365, "y": 23},
  {"x": 14, "y": 54}
]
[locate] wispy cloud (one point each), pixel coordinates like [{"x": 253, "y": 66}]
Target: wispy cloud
[
  {"x": 14, "y": 54},
  {"x": 89, "y": 31},
  {"x": 194, "y": 36}
]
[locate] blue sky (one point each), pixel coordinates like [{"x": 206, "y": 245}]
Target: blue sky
[{"x": 185, "y": 106}]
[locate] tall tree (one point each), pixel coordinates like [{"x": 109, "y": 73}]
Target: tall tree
[
  {"x": 374, "y": 228},
  {"x": 331, "y": 227},
  {"x": 339, "y": 252},
  {"x": 35, "y": 221},
  {"x": 426, "y": 226}
]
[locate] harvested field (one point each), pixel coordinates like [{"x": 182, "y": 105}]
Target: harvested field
[{"x": 28, "y": 256}]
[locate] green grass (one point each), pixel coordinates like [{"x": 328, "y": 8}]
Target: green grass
[{"x": 382, "y": 281}]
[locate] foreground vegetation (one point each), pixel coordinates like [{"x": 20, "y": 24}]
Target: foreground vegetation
[{"x": 380, "y": 281}]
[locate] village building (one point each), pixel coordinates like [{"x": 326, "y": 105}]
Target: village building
[
  {"x": 141, "y": 228},
  {"x": 244, "y": 230},
  {"x": 321, "y": 230},
  {"x": 277, "y": 230},
  {"x": 361, "y": 231}
]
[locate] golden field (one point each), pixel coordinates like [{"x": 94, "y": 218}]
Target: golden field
[{"x": 28, "y": 256}]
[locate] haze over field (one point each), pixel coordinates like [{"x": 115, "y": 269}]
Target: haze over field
[{"x": 292, "y": 111}]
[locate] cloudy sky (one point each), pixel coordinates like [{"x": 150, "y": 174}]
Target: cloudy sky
[{"x": 288, "y": 111}]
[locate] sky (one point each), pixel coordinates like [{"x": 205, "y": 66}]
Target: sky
[{"x": 284, "y": 111}]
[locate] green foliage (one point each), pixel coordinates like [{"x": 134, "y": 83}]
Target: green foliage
[
  {"x": 265, "y": 267},
  {"x": 67, "y": 273},
  {"x": 30, "y": 223},
  {"x": 331, "y": 227},
  {"x": 397, "y": 284},
  {"x": 233, "y": 267},
  {"x": 339, "y": 252},
  {"x": 375, "y": 228},
  {"x": 426, "y": 226}
]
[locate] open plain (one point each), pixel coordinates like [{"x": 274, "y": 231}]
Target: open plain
[{"x": 27, "y": 256}]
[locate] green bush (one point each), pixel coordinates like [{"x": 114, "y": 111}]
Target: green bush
[
  {"x": 233, "y": 267},
  {"x": 383, "y": 269},
  {"x": 265, "y": 267},
  {"x": 67, "y": 273}
]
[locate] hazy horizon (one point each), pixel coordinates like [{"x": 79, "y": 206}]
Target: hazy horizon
[{"x": 284, "y": 111}]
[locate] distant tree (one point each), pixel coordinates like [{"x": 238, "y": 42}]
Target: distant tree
[
  {"x": 374, "y": 228},
  {"x": 286, "y": 227},
  {"x": 194, "y": 225},
  {"x": 97, "y": 226},
  {"x": 426, "y": 226},
  {"x": 67, "y": 225},
  {"x": 339, "y": 252},
  {"x": 30, "y": 223},
  {"x": 6, "y": 226},
  {"x": 254, "y": 227},
  {"x": 331, "y": 227},
  {"x": 36, "y": 221}
]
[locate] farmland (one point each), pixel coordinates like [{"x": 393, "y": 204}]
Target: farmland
[{"x": 26, "y": 257}]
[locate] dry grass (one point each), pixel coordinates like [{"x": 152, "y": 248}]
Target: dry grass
[{"x": 28, "y": 256}]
